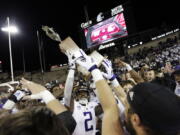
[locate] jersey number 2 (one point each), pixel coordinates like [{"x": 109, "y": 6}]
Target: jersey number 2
[{"x": 88, "y": 127}]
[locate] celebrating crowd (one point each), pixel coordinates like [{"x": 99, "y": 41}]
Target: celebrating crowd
[{"x": 138, "y": 95}]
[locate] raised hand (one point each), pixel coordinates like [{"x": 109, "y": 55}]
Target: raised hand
[
  {"x": 31, "y": 86},
  {"x": 71, "y": 60},
  {"x": 123, "y": 64},
  {"x": 109, "y": 70},
  {"x": 86, "y": 61},
  {"x": 38, "y": 91}
]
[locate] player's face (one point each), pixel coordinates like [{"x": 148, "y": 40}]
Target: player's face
[
  {"x": 82, "y": 95},
  {"x": 82, "y": 98}
]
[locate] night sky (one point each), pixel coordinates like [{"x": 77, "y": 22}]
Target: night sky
[{"x": 66, "y": 16}]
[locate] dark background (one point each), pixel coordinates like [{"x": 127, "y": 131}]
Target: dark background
[{"x": 65, "y": 16}]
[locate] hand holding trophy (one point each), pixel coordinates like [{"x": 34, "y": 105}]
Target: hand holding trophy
[{"x": 68, "y": 45}]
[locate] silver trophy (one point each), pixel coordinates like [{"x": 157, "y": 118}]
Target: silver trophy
[{"x": 51, "y": 33}]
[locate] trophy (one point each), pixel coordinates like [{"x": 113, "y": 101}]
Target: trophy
[
  {"x": 51, "y": 33},
  {"x": 69, "y": 45},
  {"x": 66, "y": 45}
]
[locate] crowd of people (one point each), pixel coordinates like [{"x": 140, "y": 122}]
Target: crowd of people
[
  {"x": 156, "y": 57},
  {"x": 137, "y": 96}
]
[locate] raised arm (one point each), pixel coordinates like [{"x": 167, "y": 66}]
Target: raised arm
[
  {"x": 133, "y": 73},
  {"x": 69, "y": 82},
  {"x": 114, "y": 82},
  {"x": 39, "y": 91},
  {"x": 111, "y": 123}
]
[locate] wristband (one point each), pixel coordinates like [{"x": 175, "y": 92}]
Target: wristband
[
  {"x": 47, "y": 96},
  {"x": 92, "y": 68},
  {"x": 115, "y": 83},
  {"x": 112, "y": 78},
  {"x": 97, "y": 75}
]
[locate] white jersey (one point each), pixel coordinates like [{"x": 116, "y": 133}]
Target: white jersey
[{"x": 85, "y": 118}]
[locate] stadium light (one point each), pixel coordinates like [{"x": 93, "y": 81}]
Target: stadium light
[{"x": 10, "y": 30}]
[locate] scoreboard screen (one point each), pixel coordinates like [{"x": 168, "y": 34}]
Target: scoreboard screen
[{"x": 105, "y": 31}]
